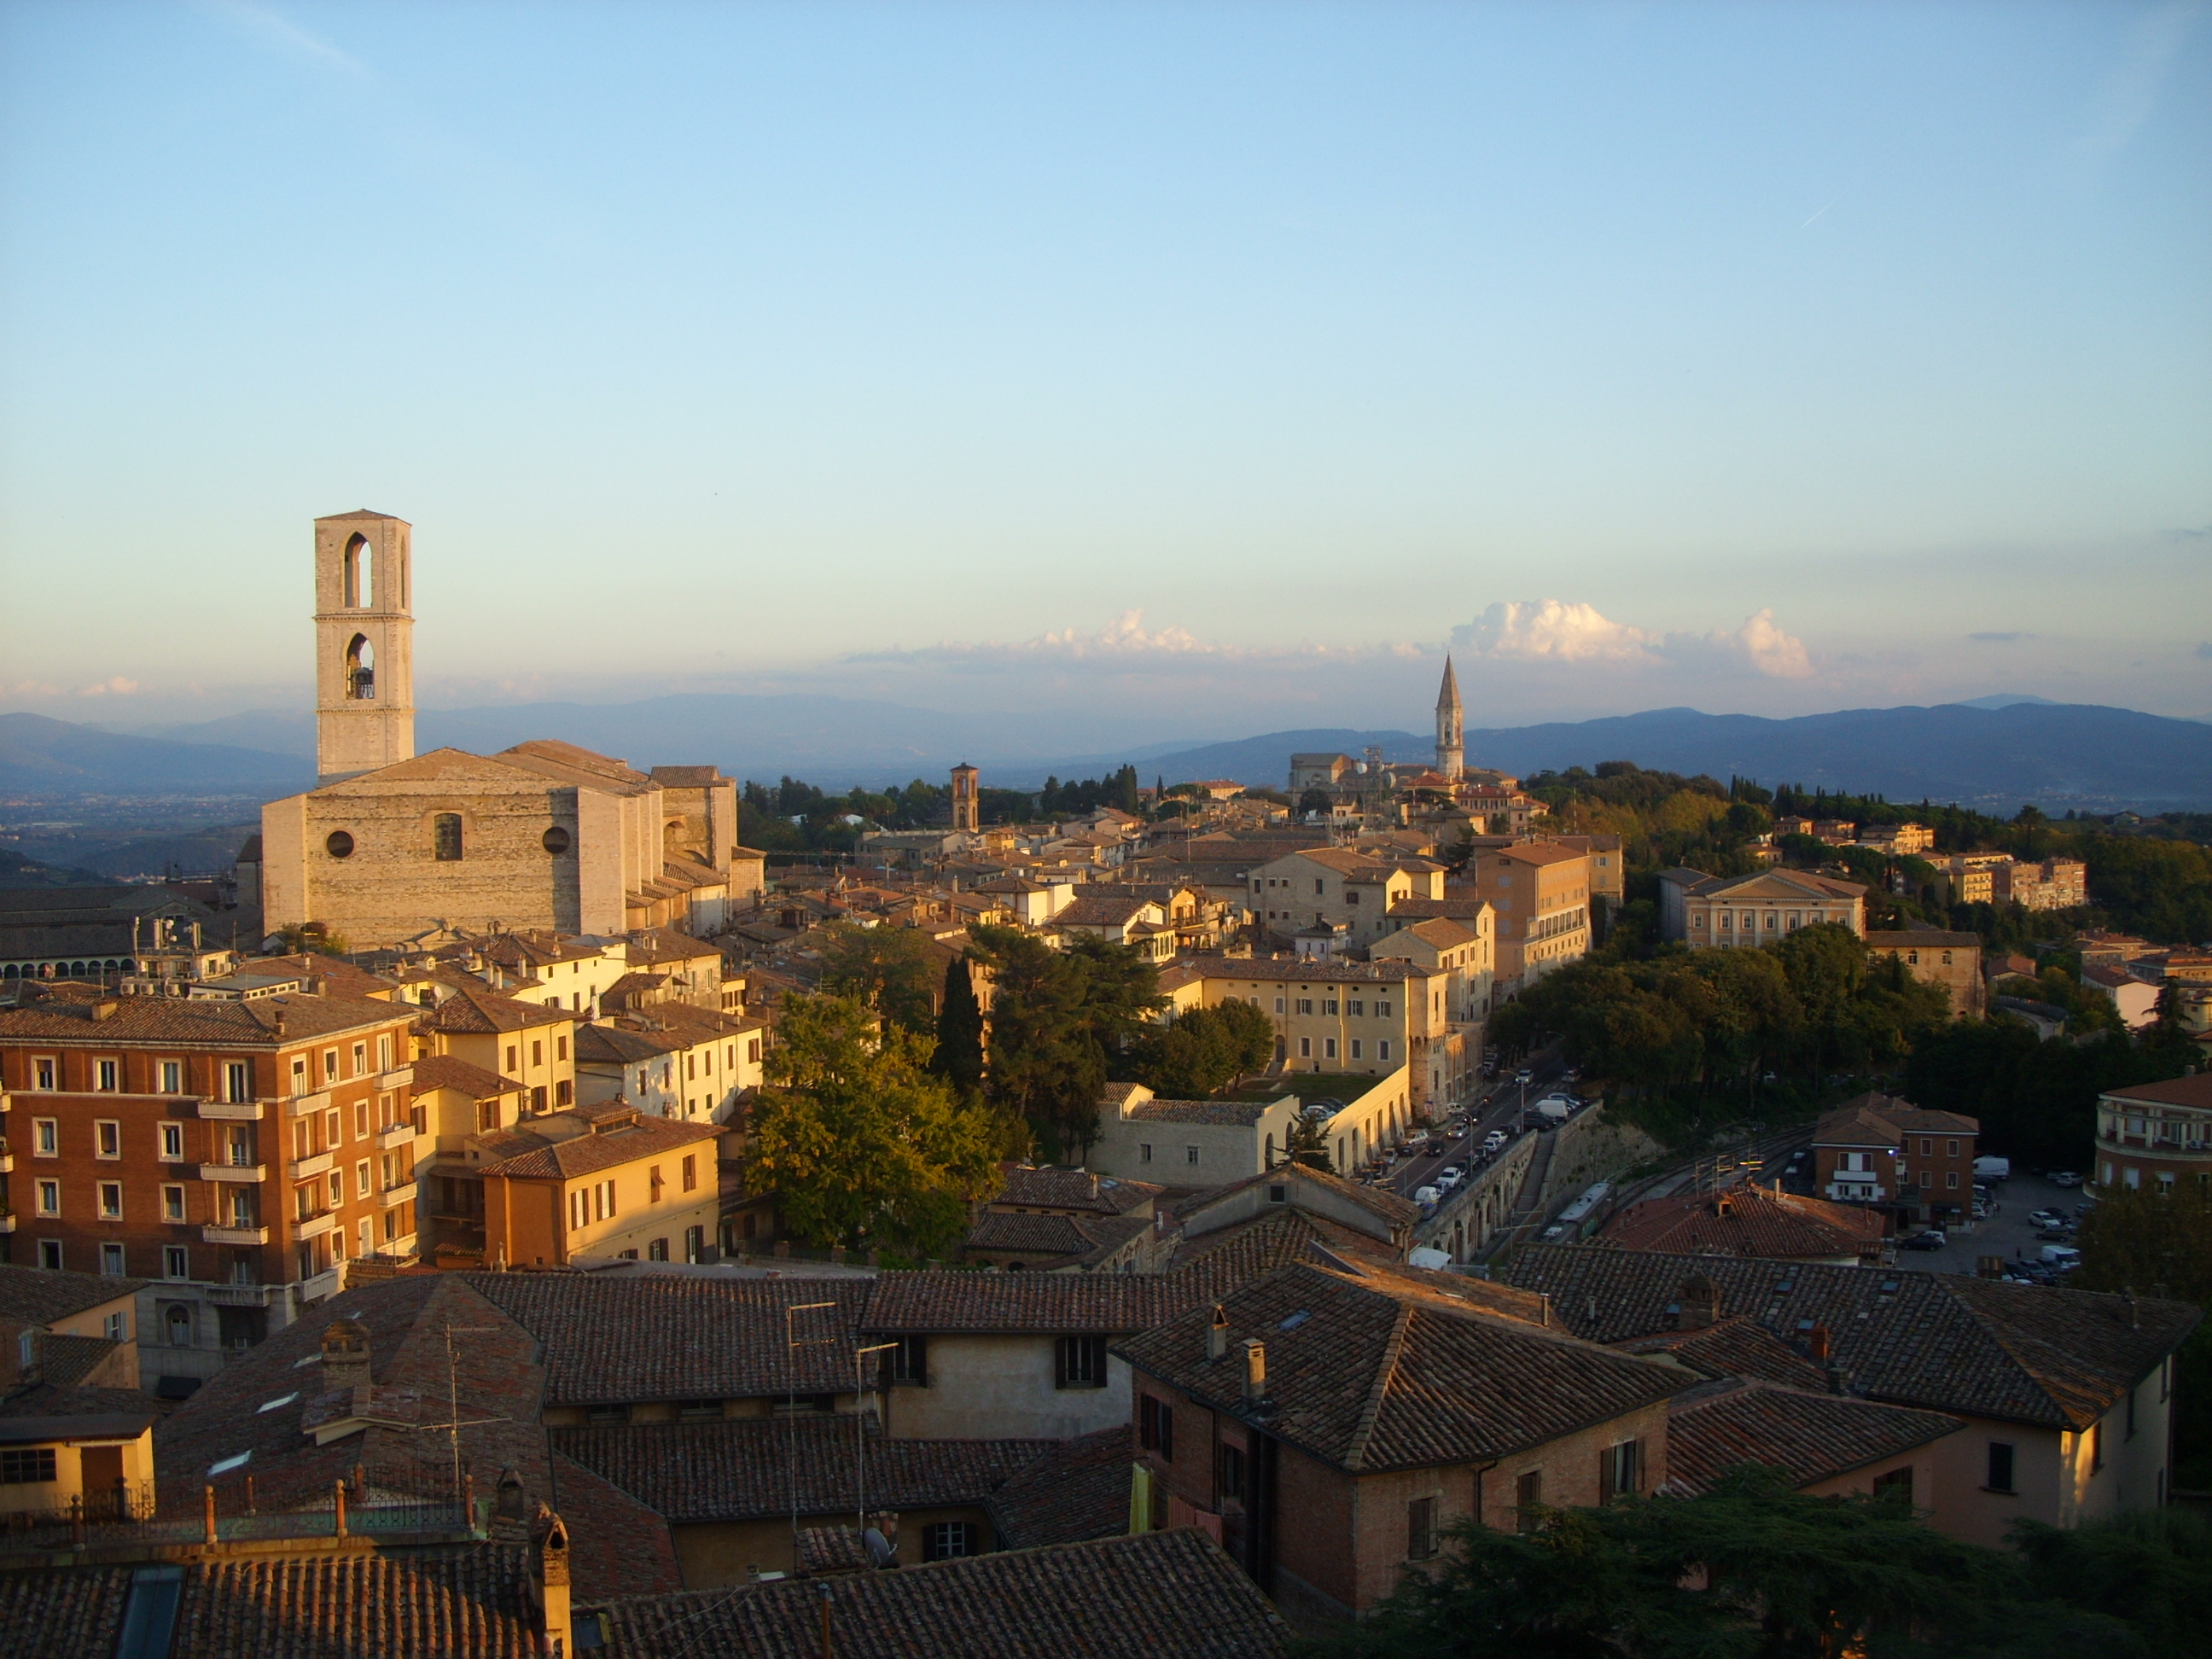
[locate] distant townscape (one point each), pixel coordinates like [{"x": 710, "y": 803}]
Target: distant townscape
[{"x": 530, "y": 1202}]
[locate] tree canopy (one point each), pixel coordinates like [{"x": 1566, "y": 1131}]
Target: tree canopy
[
  {"x": 861, "y": 1145},
  {"x": 1203, "y": 1050},
  {"x": 890, "y": 969}
]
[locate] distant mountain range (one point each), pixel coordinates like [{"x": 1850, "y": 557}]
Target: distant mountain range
[{"x": 2002, "y": 754}]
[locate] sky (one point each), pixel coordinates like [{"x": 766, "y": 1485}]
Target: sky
[{"x": 1186, "y": 370}]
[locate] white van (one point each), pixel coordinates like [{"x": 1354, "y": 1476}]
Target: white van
[
  {"x": 2060, "y": 1256},
  {"x": 1992, "y": 1168},
  {"x": 1426, "y": 1196}
]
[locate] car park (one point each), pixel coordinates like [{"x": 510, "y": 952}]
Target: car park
[
  {"x": 1931, "y": 1240},
  {"x": 2058, "y": 1235},
  {"x": 2047, "y": 1218}
]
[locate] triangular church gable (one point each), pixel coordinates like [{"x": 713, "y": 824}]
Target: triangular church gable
[{"x": 446, "y": 768}]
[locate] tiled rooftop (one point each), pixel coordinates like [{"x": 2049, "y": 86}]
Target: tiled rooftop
[
  {"x": 1811, "y": 1437},
  {"x": 1746, "y": 1220},
  {"x": 1076, "y": 1489}
]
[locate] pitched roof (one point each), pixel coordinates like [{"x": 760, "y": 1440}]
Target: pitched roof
[
  {"x": 1440, "y": 933},
  {"x": 450, "y": 1071},
  {"x": 586, "y": 1154},
  {"x": 1733, "y": 1346},
  {"x": 737, "y": 1470},
  {"x": 2174, "y": 1091},
  {"x": 1075, "y": 1490},
  {"x": 1306, "y": 970},
  {"x": 1371, "y": 1369},
  {"x": 336, "y": 1600},
  {"x": 1157, "y": 1596},
  {"x": 34, "y": 1296},
  {"x": 195, "y": 1022},
  {"x": 1746, "y": 1220},
  {"x": 1869, "y": 1118},
  {"x": 1920, "y": 938},
  {"x": 684, "y": 1338},
  {"x": 1072, "y": 1189},
  {"x": 1943, "y": 1341},
  {"x": 617, "y": 1045},
  {"x": 1809, "y": 1437},
  {"x": 474, "y": 1012}
]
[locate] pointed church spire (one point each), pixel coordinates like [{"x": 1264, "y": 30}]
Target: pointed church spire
[{"x": 1451, "y": 756}]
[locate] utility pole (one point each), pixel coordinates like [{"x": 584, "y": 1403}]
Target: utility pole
[{"x": 791, "y": 1347}]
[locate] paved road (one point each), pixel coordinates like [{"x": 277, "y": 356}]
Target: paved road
[{"x": 1497, "y": 1106}]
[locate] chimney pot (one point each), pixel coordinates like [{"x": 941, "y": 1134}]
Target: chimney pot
[
  {"x": 1816, "y": 1342},
  {"x": 1217, "y": 1339},
  {"x": 1255, "y": 1368}
]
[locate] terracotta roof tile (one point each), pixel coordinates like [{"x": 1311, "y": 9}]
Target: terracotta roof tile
[
  {"x": 450, "y": 1072},
  {"x": 1077, "y": 1490},
  {"x": 1158, "y": 1595},
  {"x": 1810, "y": 1436},
  {"x": 1747, "y": 1221},
  {"x": 583, "y": 1154},
  {"x": 34, "y": 1296}
]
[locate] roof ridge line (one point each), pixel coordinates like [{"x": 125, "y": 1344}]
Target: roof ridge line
[{"x": 1356, "y": 1458}]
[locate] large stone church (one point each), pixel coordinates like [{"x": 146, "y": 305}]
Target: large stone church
[{"x": 391, "y": 844}]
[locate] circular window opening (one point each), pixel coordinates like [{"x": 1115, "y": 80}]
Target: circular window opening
[
  {"x": 340, "y": 845},
  {"x": 557, "y": 841}
]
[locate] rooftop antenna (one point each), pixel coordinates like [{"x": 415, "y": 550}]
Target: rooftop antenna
[
  {"x": 861, "y": 1441},
  {"x": 791, "y": 1347}
]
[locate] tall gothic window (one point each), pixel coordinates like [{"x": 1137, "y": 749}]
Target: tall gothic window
[{"x": 446, "y": 837}]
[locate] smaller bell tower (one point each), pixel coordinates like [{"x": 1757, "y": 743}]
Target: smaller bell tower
[
  {"x": 364, "y": 644},
  {"x": 967, "y": 804},
  {"x": 1451, "y": 749}
]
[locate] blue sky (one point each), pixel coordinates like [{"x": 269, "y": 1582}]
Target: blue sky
[{"x": 1204, "y": 367}]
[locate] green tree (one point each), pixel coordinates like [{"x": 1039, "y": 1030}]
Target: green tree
[
  {"x": 890, "y": 969},
  {"x": 959, "y": 1056},
  {"x": 2159, "y": 1244},
  {"x": 859, "y": 1144},
  {"x": 1751, "y": 1570},
  {"x": 1309, "y": 1143},
  {"x": 1203, "y": 1051}
]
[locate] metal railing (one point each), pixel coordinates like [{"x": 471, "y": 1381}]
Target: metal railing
[{"x": 385, "y": 1502}]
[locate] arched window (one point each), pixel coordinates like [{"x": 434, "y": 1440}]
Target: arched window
[
  {"x": 360, "y": 573},
  {"x": 180, "y": 1322},
  {"x": 360, "y": 669},
  {"x": 445, "y": 837}
]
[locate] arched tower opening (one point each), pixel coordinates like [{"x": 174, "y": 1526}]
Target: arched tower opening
[
  {"x": 364, "y": 644},
  {"x": 360, "y": 669},
  {"x": 360, "y": 573}
]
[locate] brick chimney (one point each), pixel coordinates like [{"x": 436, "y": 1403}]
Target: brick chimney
[
  {"x": 1816, "y": 1344},
  {"x": 1701, "y": 1304},
  {"x": 345, "y": 1355},
  {"x": 549, "y": 1561},
  {"x": 1217, "y": 1339},
  {"x": 1256, "y": 1370}
]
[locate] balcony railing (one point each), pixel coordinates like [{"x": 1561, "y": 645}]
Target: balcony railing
[
  {"x": 315, "y": 1225},
  {"x": 234, "y": 1234},
  {"x": 252, "y": 1174},
  {"x": 306, "y": 1169},
  {"x": 308, "y": 1105},
  {"x": 241, "y": 1111},
  {"x": 398, "y": 1078},
  {"x": 397, "y": 1135}
]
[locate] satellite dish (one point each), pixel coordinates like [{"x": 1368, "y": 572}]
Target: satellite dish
[{"x": 878, "y": 1548}]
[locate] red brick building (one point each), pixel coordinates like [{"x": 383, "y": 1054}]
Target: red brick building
[
  {"x": 1878, "y": 1150},
  {"x": 1328, "y": 1424},
  {"x": 219, "y": 1140}
]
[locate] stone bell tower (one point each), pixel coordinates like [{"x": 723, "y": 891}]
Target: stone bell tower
[
  {"x": 364, "y": 644},
  {"x": 1452, "y": 750}
]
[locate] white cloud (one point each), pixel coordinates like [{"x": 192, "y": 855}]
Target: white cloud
[
  {"x": 118, "y": 686},
  {"x": 1771, "y": 651},
  {"x": 1557, "y": 629},
  {"x": 1125, "y": 640}
]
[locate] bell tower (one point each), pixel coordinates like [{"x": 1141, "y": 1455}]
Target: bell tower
[
  {"x": 1451, "y": 752},
  {"x": 364, "y": 644}
]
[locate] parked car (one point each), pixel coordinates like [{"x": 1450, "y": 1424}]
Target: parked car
[
  {"x": 2064, "y": 1178},
  {"x": 1450, "y": 1176},
  {"x": 1493, "y": 1141},
  {"x": 2061, "y": 1234},
  {"x": 1931, "y": 1240},
  {"x": 1426, "y": 1196},
  {"x": 2060, "y": 1256},
  {"x": 2047, "y": 1218}
]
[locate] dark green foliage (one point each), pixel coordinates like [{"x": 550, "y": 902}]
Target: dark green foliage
[
  {"x": 1203, "y": 1051},
  {"x": 2150, "y": 1571},
  {"x": 1308, "y": 1139},
  {"x": 890, "y": 969},
  {"x": 959, "y": 1056},
  {"x": 2036, "y": 1100},
  {"x": 1060, "y": 1020},
  {"x": 1117, "y": 789},
  {"x": 2162, "y": 1246},
  {"x": 1752, "y": 1570}
]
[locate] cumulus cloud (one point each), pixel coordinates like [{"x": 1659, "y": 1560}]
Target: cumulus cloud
[
  {"x": 116, "y": 686},
  {"x": 1569, "y": 631}
]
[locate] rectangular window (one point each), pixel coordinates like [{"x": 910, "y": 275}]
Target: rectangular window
[
  {"x": 172, "y": 1203},
  {"x": 111, "y": 1262},
  {"x": 1382, "y": 1011},
  {"x": 1190, "y": 1154},
  {"x": 948, "y": 1540},
  {"x": 1144, "y": 1152},
  {"x": 1382, "y": 1050},
  {"x": 173, "y": 1143},
  {"x": 49, "y": 1254},
  {"x": 111, "y": 1200},
  {"x": 1080, "y": 1362},
  {"x": 176, "y": 1263},
  {"x": 1305, "y": 1048},
  {"x": 1328, "y": 1047},
  {"x": 46, "y": 1137},
  {"x": 512, "y": 1056},
  {"x": 1228, "y": 1472},
  {"x": 2001, "y": 1465},
  {"x": 690, "y": 1172},
  {"x": 238, "y": 1080},
  {"x": 1306, "y": 1005},
  {"x": 695, "y": 1244},
  {"x": 537, "y": 1100},
  {"x": 1619, "y": 1467},
  {"x": 360, "y": 1059},
  {"x": 564, "y": 1093},
  {"x": 329, "y": 1065},
  {"x": 1355, "y": 1007},
  {"x": 1279, "y": 1005},
  {"x": 1355, "y": 1049},
  {"x": 2096, "y": 1447},
  {"x": 907, "y": 1362},
  {"x": 362, "y": 1187},
  {"x": 43, "y": 1073},
  {"x": 1421, "y": 1529},
  {"x": 383, "y": 1052},
  {"x": 1156, "y": 1427},
  {"x": 1329, "y": 1004},
  {"x": 31, "y": 1468},
  {"x": 537, "y": 1053},
  {"x": 361, "y": 1120},
  {"x": 173, "y": 1077},
  {"x": 107, "y": 1076},
  {"x": 1528, "y": 1498}
]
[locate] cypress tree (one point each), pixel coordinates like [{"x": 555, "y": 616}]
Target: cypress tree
[{"x": 959, "y": 1057}]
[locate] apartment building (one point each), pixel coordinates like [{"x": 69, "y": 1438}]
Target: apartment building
[
  {"x": 1878, "y": 1150},
  {"x": 2156, "y": 1136},
  {"x": 1368, "y": 1019},
  {"x": 1898, "y": 840},
  {"x": 672, "y": 1061},
  {"x": 1465, "y": 953},
  {"x": 2052, "y": 884},
  {"x": 1336, "y": 886},
  {"x": 1722, "y": 911},
  {"x": 232, "y": 1142},
  {"x": 1541, "y": 892},
  {"x": 1951, "y": 960},
  {"x": 532, "y": 1044}
]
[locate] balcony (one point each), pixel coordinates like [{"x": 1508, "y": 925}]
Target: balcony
[
  {"x": 398, "y": 1078},
  {"x": 316, "y": 1226},
  {"x": 397, "y": 1135},
  {"x": 306, "y": 1169},
  {"x": 329, "y": 1282},
  {"x": 241, "y": 1111},
  {"x": 308, "y": 1105},
  {"x": 7, "y": 1222},
  {"x": 392, "y": 1195},
  {"x": 238, "y": 1296},
  {"x": 7, "y": 1163},
  {"x": 251, "y": 1174},
  {"x": 235, "y": 1235},
  {"x": 1856, "y": 1191}
]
